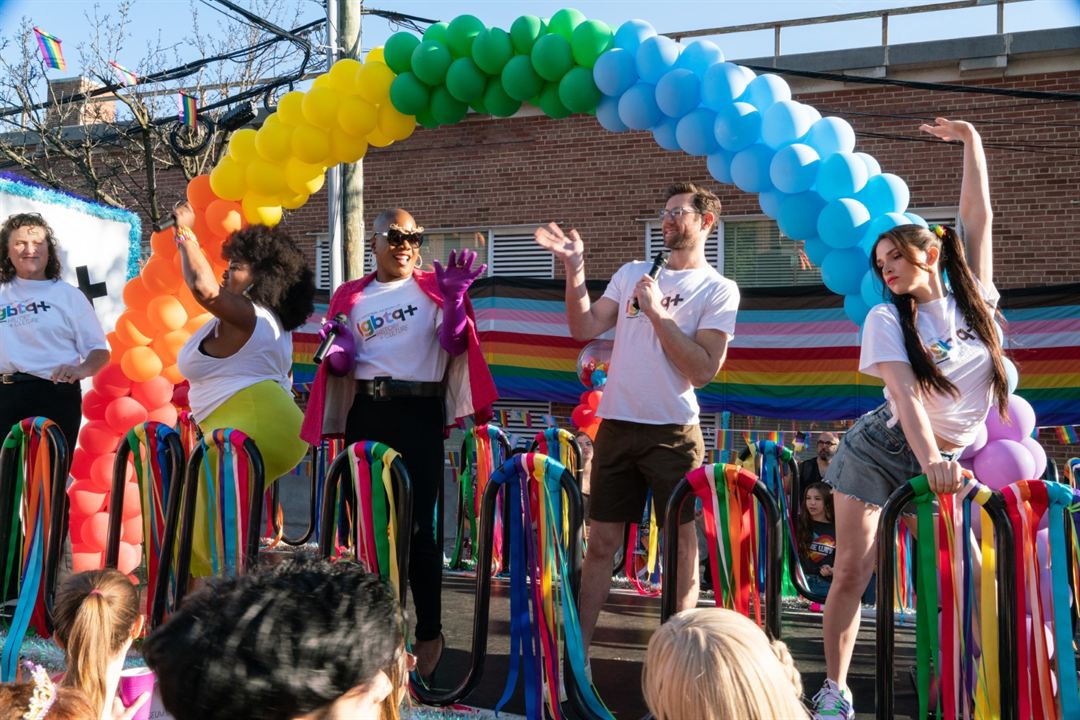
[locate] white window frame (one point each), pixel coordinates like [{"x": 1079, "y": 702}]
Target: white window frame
[{"x": 714, "y": 248}]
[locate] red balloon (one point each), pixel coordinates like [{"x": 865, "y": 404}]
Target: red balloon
[
  {"x": 133, "y": 531},
  {"x": 95, "y": 531},
  {"x": 180, "y": 394},
  {"x": 130, "y": 557},
  {"x": 94, "y": 404},
  {"x": 582, "y": 416},
  {"x": 166, "y": 415},
  {"x": 84, "y": 499},
  {"x": 101, "y": 473},
  {"x": 593, "y": 399},
  {"x": 98, "y": 438},
  {"x": 85, "y": 561},
  {"x": 153, "y": 393},
  {"x": 81, "y": 460},
  {"x": 111, "y": 381},
  {"x": 132, "y": 509},
  {"x": 124, "y": 413},
  {"x": 591, "y": 429}
]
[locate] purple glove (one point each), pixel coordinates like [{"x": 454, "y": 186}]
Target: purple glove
[
  {"x": 340, "y": 359},
  {"x": 454, "y": 281}
]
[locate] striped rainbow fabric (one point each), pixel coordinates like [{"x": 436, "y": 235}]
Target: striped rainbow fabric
[{"x": 50, "y": 50}]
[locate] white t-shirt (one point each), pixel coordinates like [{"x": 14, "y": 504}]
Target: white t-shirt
[
  {"x": 643, "y": 385},
  {"x": 267, "y": 355},
  {"x": 397, "y": 333},
  {"x": 959, "y": 353},
  {"x": 44, "y": 324}
]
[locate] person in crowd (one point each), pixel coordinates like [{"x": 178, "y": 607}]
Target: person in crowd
[
  {"x": 96, "y": 618},
  {"x": 39, "y": 699},
  {"x": 585, "y": 444},
  {"x": 50, "y": 338},
  {"x": 671, "y": 335},
  {"x": 301, "y": 639},
  {"x": 936, "y": 346},
  {"x": 812, "y": 470},
  {"x": 715, "y": 664},
  {"x": 816, "y": 537},
  {"x": 405, "y": 363}
]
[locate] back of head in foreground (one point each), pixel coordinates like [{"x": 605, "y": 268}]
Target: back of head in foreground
[
  {"x": 285, "y": 642},
  {"x": 715, "y": 664}
]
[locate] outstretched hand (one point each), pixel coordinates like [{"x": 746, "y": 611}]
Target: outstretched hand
[
  {"x": 566, "y": 246},
  {"x": 454, "y": 279},
  {"x": 950, "y": 130}
]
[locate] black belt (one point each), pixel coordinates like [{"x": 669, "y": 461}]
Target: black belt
[
  {"x": 18, "y": 377},
  {"x": 386, "y": 388}
]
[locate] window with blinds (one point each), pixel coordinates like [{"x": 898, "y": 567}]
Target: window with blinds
[
  {"x": 654, "y": 241},
  {"x": 322, "y": 261},
  {"x": 520, "y": 433},
  {"x": 757, "y": 254},
  {"x": 514, "y": 253}
]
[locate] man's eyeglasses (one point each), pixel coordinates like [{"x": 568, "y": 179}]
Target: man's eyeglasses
[
  {"x": 397, "y": 238},
  {"x": 828, "y": 442},
  {"x": 676, "y": 213}
]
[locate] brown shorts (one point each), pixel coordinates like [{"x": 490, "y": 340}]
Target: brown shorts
[{"x": 632, "y": 458}]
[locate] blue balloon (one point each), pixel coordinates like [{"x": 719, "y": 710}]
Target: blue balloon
[
  {"x": 723, "y": 82},
  {"x": 843, "y": 223},
  {"x": 695, "y": 132},
  {"x": 917, "y": 220},
  {"x": 656, "y": 56},
  {"x": 637, "y": 107},
  {"x": 631, "y": 34},
  {"x": 841, "y": 175},
  {"x": 842, "y": 270},
  {"x": 664, "y": 134},
  {"x": 872, "y": 289},
  {"x": 599, "y": 379},
  {"x": 607, "y": 114},
  {"x": 873, "y": 167},
  {"x": 794, "y": 168},
  {"x": 769, "y": 202},
  {"x": 799, "y": 214},
  {"x": 856, "y": 309},
  {"x": 883, "y": 194},
  {"x": 878, "y": 225},
  {"x": 738, "y": 126},
  {"x": 766, "y": 90},
  {"x": 719, "y": 165},
  {"x": 786, "y": 122},
  {"x": 1011, "y": 374},
  {"x": 699, "y": 56},
  {"x": 750, "y": 168},
  {"x": 678, "y": 92},
  {"x": 816, "y": 250},
  {"x": 831, "y": 135},
  {"x": 615, "y": 72}
]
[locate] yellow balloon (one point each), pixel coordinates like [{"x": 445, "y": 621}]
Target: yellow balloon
[
  {"x": 242, "y": 145},
  {"x": 228, "y": 180},
  {"x": 377, "y": 138},
  {"x": 320, "y": 106},
  {"x": 375, "y": 55},
  {"x": 274, "y": 141},
  {"x": 310, "y": 144},
  {"x": 290, "y": 108},
  {"x": 265, "y": 178},
  {"x": 373, "y": 82},
  {"x": 294, "y": 202},
  {"x": 393, "y": 124},
  {"x": 304, "y": 179},
  {"x": 343, "y": 75},
  {"x": 346, "y": 148},
  {"x": 357, "y": 116},
  {"x": 261, "y": 209},
  {"x": 321, "y": 82}
]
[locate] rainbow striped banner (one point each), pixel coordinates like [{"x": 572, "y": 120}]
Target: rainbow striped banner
[
  {"x": 189, "y": 111},
  {"x": 1067, "y": 435},
  {"x": 50, "y": 50},
  {"x": 127, "y": 77}
]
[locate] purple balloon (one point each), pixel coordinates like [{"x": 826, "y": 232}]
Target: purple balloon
[
  {"x": 976, "y": 445},
  {"x": 1038, "y": 454},
  {"x": 1020, "y": 425},
  {"x": 1003, "y": 462}
]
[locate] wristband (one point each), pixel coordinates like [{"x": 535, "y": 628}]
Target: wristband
[{"x": 185, "y": 233}]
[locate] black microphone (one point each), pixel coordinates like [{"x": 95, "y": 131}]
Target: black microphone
[
  {"x": 324, "y": 346},
  {"x": 658, "y": 264},
  {"x": 165, "y": 223}
]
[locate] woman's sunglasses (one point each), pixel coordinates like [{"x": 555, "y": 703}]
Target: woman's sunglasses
[{"x": 397, "y": 238}]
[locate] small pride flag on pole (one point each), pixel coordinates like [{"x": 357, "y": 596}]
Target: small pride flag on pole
[
  {"x": 126, "y": 76},
  {"x": 189, "y": 112},
  {"x": 1067, "y": 435},
  {"x": 50, "y": 50}
]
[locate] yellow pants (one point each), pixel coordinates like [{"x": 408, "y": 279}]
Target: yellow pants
[{"x": 267, "y": 414}]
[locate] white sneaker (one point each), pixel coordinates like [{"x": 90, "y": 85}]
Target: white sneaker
[{"x": 833, "y": 703}]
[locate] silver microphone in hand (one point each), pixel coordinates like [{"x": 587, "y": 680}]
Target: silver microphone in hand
[
  {"x": 658, "y": 264},
  {"x": 331, "y": 335}
]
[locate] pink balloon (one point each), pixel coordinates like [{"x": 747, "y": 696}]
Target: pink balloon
[
  {"x": 1037, "y": 454},
  {"x": 977, "y": 444},
  {"x": 130, "y": 557},
  {"x": 1021, "y": 421},
  {"x": 83, "y": 561},
  {"x": 1003, "y": 462},
  {"x": 124, "y": 413}
]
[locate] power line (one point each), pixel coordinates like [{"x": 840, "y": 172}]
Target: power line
[
  {"x": 967, "y": 113},
  {"x": 1014, "y": 147}
]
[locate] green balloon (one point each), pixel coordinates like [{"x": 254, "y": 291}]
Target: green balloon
[
  {"x": 497, "y": 102},
  {"x": 552, "y": 57},
  {"x": 426, "y": 119},
  {"x": 430, "y": 61},
  {"x": 461, "y": 32},
  {"x": 436, "y": 32},
  {"x": 465, "y": 81},
  {"x": 398, "y": 51},
  {"x": 408, "y": 94},
  {"x": 524, "y": 33},
  {"x": 479, "y": 107},
  {"x": 519, "y": 79},
  {"x": 564, "y": 23},
  {"x": 492, "y": 49},
  {"x": 445, "y": 108},
  {"x": 550, "y": 102},
  {"x": 577, "y": 91},
  {"x": 591, "y": 39}
]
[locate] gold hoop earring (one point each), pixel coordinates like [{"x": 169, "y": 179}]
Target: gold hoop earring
[{"x": 419, "y": 260}]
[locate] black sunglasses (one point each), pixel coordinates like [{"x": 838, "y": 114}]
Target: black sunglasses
[{"x": 397, "y": 238}]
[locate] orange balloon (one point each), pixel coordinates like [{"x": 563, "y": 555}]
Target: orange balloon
[
  {"x": 199, "y": 193},
  {"x": 128, "y": 332},
  {"x": 202, "y": 230},
  {"x": 95, "y": 531},
  {"x": 101, "y": 474},
  {"x": 196, "y": 322},
  {"x": 166, "y": 314},
  {"x": 94, "y": 404},
  {"x": 133, "y": 530},
  {"x": 191, "y": 305},
  {"x": 163, "y": 242},
  {"x": 130, "y": 557},
  {"x": 166, "y": 414},
  {"x": 87, "y": 561},
  {"x": 160, "y": 276},
  {"x": 168, "y": 347},
  {"x": 124, "y": 413},
  {"x": 224, "y": 217},
  {"x": 97, "y": 438},
  {"x": 110, "y": 380},
  {"x": 80, "y": 462},
  {"x": 84, "y": 502},
  {"x": 116, "y": 345},
  {"x": 132, "y": 508},
  {"x": 136, "y": 294},
  {"x": 153, "y": 393},
  {"x": 173, "y": 375},
  {"x": 140, "y": 364}
]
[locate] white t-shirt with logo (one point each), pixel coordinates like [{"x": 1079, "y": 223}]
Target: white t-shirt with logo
[
  {"x": 959, "y": 353},
  {"x": 44, "y": 324},
  {"x": 643, "y": 385},
  {"x": 397, "y": 333}
]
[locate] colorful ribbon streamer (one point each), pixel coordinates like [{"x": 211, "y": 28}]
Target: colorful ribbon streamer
[{"x": 484, "y": 451}]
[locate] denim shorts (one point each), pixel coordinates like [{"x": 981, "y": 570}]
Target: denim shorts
[{"x": 874, "y": 459}]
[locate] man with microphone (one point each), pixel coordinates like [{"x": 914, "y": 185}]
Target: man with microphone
[{"x": 672, "y": 328}]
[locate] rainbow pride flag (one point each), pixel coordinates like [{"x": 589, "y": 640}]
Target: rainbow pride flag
[
  {"x": 126, "y": 76},
  {"x": 1067, "y": 435},
  {"x": 189, "y": 111},
  {"x": 50, "y": 50}
]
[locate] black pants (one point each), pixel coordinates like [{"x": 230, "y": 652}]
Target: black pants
[
  {"x": 60, "y": 402},
  {"x": 413, "y": 427}
]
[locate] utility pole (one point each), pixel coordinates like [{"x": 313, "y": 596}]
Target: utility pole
[{"x": 351, "y": 174}]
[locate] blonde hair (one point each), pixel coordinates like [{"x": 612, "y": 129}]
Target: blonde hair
[
  {"x": 715, "y": 664},
  {"x": 95, "y": 615}
]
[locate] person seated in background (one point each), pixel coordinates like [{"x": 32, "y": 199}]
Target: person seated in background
[
  {"x": 586, "y": 446},
  {"x": 39, "y": 699},
  {"x": 303, "y": 639},
  {"x": 812, "y": 470},
  {"x": 715, "y": 664},
  {"x": 816, "y": 537}
]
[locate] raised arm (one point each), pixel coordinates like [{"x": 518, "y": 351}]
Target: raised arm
[
  {"x": 976, "y": 214},
  {"x": 231, "y": 308},
  {"x": 585, "y": 318}
]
